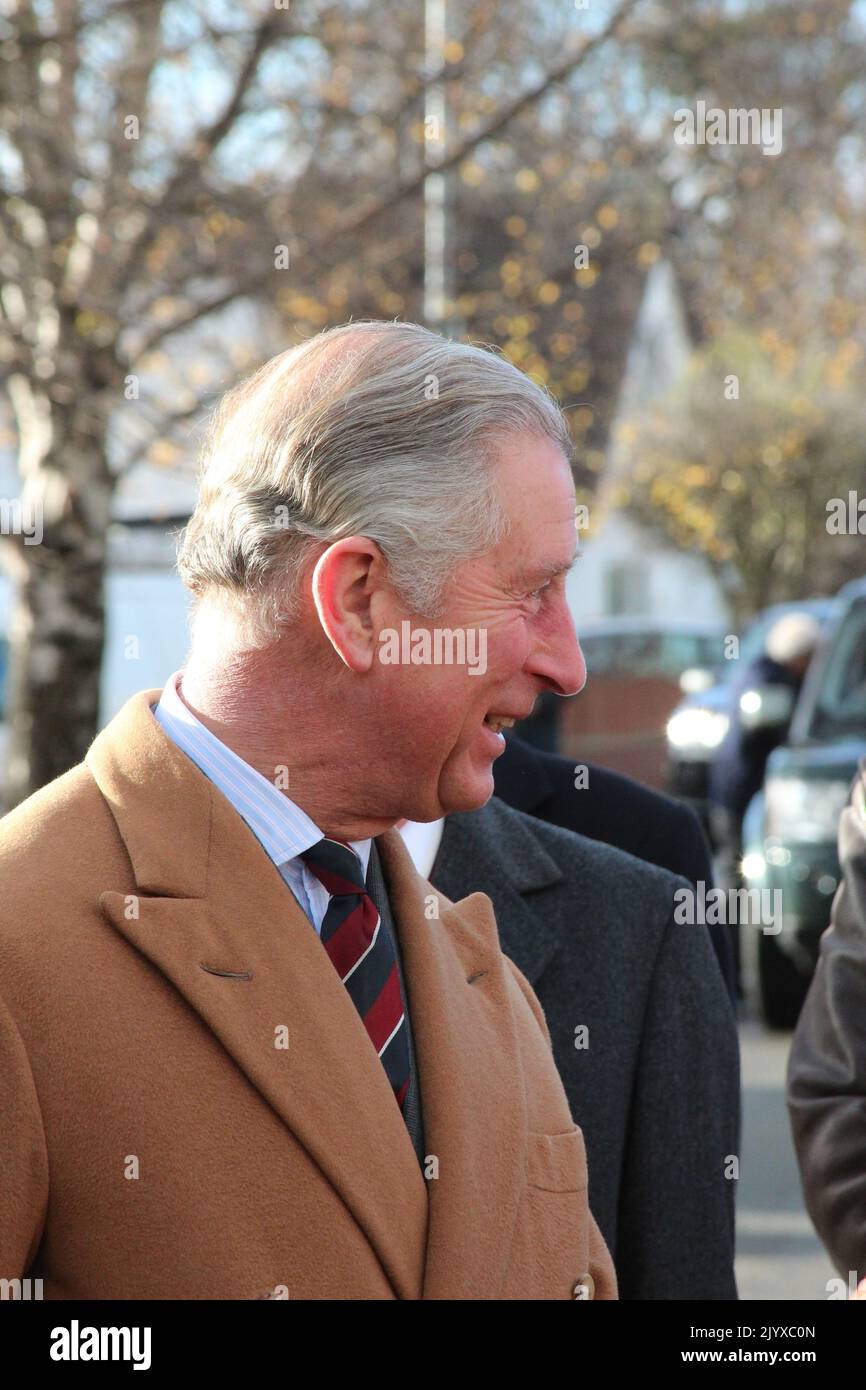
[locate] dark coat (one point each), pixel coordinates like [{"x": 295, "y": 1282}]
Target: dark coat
[
  {"x": 656, "y": 1090},
  {"x": 619, "y": 811}
]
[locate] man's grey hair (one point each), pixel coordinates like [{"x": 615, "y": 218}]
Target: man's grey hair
[{"x": 372, "y": 428}]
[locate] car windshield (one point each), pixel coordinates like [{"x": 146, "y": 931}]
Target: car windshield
[
  {"x": 649, "y": 653},
  {"x": 839, "y": 708}
]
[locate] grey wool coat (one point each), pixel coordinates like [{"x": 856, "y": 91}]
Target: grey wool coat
[{"x": 643, "y": 1032}]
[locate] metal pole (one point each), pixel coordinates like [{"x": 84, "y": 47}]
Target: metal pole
[{"x": 439, "y": 268}]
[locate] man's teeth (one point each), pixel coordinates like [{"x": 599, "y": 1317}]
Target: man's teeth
[{"x": 497, "y": 725}]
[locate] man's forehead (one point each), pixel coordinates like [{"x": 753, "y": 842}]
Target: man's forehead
[
  {"x": 541, "y": 540},
  {"x": 548, "y": 547}
]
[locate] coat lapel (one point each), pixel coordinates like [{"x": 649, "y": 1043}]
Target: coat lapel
[
  {"x": 472, "y": 1088},
  {"x": 495, "y": 849},
  {"x": 214, "y": 915}
]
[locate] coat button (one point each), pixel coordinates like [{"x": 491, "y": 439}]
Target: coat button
[{"x": 585, "y": 1287}]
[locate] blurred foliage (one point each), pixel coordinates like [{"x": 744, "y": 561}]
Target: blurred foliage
[
  {"x": 739, "y": 461},
  {"x": 760, "y": 244}
]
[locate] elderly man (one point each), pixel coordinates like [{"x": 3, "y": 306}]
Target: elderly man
[{"x": 245, "y": 1049}]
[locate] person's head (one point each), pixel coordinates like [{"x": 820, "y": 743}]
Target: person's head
[
  {"x": 382, "y": 534},
  {"x": 792, "y": 640}
]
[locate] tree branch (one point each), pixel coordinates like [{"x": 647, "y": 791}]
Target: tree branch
[
  {"x": 208, "y": 139},
  {"x": 38, "y": 38},
  {"x": 351, "y": 226}
]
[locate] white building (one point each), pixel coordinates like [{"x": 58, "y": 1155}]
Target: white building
[{"x": 626, "y": 569}]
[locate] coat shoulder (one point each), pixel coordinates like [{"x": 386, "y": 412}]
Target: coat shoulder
[
  {"x": 592, "y": 870},
  {"x": 611, "y": 807},
  {"x": 53, "y": 845}
]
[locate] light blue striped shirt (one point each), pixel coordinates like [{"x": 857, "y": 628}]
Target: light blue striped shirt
[{"x": 281, "y": 827}]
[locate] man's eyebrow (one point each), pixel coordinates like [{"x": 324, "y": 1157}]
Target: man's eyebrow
[{"x": 550, "y": 570}]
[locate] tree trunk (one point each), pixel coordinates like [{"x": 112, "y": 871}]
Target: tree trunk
[{"x": 58, "y": 615}]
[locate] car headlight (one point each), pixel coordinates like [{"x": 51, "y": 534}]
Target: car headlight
[
  {"x": 766, "y": 707},
  {"x": 753, "y": 866},
  {"x": 799, "y": 809},
  {"x": 697, "y": 728}
]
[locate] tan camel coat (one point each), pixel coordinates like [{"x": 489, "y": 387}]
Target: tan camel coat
[{"x": 190, "y": 1106}]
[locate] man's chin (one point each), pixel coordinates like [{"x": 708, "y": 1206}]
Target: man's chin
[
  {"x": 464, "y": 783},
  {"x": 469, "y": 792}
]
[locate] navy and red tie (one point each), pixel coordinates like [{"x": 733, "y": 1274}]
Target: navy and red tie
[{"x": 362, "y": 952}]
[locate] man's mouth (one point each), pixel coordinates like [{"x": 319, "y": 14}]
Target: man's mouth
[{"x": 498, "y": 722}]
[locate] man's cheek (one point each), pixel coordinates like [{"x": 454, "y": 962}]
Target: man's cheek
[{"x": 510, "y": 649}]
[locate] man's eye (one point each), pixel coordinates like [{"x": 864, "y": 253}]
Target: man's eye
[{"x": 536, "y": 593}]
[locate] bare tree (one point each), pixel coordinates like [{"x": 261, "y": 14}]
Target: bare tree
[
  {"x": 159, "y": 163},
  {"x": 96, "y": 182}
]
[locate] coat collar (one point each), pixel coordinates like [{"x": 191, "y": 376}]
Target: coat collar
[
  {"x": 520, "y": 776},
  {"x": 498, "y": 848},
  {"x": 213, "y": 914}
]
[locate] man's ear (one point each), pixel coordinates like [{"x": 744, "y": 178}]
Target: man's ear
[{"x": 346, "y": 579}]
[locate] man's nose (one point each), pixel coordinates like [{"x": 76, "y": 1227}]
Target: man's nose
[{"x": 558, "y": 658}]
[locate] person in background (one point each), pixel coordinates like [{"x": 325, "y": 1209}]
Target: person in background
[
  {"x": 827, "y": 1063},
  {"x": 737, "y": 772},
  {"x": 617, "y": 810},
  {"x": 643, "y": 1033}
]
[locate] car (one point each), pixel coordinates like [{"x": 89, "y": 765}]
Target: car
[
  {"x": 634, "y": 667},
  {"x": 790, "y": 828},
  {"x": 699, "y": 722}
]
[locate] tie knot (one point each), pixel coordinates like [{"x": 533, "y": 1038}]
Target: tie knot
[{"x": 336, "y": 866}]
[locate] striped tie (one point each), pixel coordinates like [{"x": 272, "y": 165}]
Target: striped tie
[{"x": 362, "y": 953}]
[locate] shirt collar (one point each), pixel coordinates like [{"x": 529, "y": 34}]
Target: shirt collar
[
  {"x": 277, "y": 822},
  {"x": 422, "y": 839}
]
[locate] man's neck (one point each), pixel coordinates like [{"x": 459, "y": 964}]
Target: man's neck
[{"x": 254, "y": 714}]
